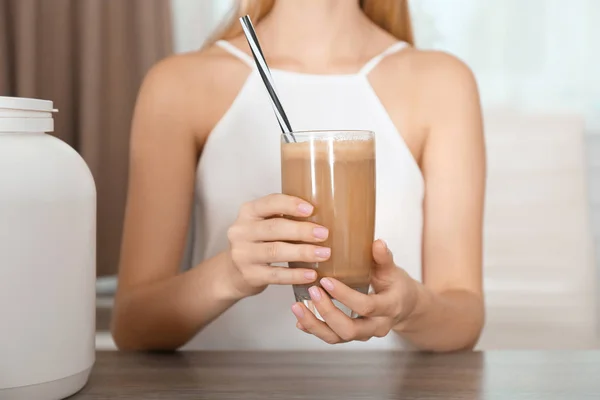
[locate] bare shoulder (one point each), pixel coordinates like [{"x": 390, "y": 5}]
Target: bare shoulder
[
  {"x": 196, "y": 86},
  {"x": 442, "y": 82},
  {"x": 427, "y": 74},
  {"x": 438, "y": 71},
  {"x": 438, "y": 61},
  {"x": 195, "y": 69}
]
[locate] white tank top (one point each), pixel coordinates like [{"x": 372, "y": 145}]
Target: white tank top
[{"x": 241, "y": 162}]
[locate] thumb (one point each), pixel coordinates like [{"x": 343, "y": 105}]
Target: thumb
[{"x": 382, "y": 255}]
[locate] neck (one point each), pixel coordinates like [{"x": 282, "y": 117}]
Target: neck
[{"x": 314, "y": 30}]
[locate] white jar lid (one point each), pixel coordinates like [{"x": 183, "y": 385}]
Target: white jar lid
[{"x": 26, "y": 115}]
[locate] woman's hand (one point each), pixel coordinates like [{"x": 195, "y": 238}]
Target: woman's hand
[
  {"x": 394, "y": 299},
  {"x": 258, "y": 238}
]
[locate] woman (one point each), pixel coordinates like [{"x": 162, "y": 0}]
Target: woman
[{"x": 205, "y": 147}]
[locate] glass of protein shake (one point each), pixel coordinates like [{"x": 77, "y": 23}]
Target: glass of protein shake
[{"x": 335, "y": 172}]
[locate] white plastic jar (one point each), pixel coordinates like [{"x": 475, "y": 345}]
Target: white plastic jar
[{"x": 47, "y": 257}]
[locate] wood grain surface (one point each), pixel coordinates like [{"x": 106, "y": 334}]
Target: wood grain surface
[{"x": 345, "y": 375}]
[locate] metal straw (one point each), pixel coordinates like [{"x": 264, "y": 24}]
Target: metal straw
[{"x": 265, "y": 74}]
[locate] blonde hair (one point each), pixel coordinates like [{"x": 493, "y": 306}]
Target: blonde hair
[{"x": 392, "y": 16}]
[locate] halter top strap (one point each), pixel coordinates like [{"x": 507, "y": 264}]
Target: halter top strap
[
  {"x": 373, "y": 62},
  {"x": 237, "y": 53}
]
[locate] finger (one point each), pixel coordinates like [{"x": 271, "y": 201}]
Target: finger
[
  {"x": 274, "y": 252},
  {"x": 312, "y": 325},
  {"x": 382, "y": 255},
  {"x": 276, "y": 204},
  {"x": 299, "y": 326},
  {"x": 266, "y": 275},
  {"x": 365, "y": 305},
  {"x": 346, "y": 328},
  {"x": 285, "y": 229}
]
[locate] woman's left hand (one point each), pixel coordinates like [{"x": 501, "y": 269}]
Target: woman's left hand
[{"x": 394, "y": 300}]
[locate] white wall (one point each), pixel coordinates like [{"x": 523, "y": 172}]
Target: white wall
[
  {"x": 194, "y": 20},
  {"x": 540, "y": 55}
]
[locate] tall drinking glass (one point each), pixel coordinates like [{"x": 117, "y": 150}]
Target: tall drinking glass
[{"x": 335, "y": 172}]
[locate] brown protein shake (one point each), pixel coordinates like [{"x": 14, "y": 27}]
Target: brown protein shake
[{"x": 335, "y": 172}]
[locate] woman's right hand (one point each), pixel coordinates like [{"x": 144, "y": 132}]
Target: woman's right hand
[{"x": 261, "y": 235}]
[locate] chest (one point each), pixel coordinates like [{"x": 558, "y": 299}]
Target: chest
[
  {"x": 240, "y": 161},
  {"x": 241, "y": 158},
  {"x": 246, "y": 141}
]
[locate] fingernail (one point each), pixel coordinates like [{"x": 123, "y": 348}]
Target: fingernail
[
  {"x": 315, "y": 294},
  {"x": 311, "y": 275},
  {"x": 305, "y": 208},
  {"x": 385, "y": 245},
  {"x": 297, "y": 310},
  {"x": 320, "y": 233},
  {"x": 323, "y": 252},
  {"x": 327, "y": 284}
]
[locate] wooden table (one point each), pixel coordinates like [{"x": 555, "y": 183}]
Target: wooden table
[{"x": 342, "y": 375}]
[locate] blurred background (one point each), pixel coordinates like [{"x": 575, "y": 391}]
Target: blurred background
[{"x": 537, "y": 63}]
